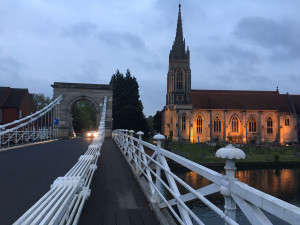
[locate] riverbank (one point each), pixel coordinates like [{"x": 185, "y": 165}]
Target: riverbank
[{"x": 263, "y": 156}]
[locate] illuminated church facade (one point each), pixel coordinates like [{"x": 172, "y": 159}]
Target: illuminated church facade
[{"x": 233, "y": 115}]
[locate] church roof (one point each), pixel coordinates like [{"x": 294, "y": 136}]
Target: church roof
[
  {"x": 241, "y": 100},
  {"x": 296, "y": 101},
  {"x": 235, "y": 91}
]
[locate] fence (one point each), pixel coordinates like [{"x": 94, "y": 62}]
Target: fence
[
  {"x": 39, "y": 126},
  {"x": 251, "y": 201},
  {"x": 63, "y": 203}
]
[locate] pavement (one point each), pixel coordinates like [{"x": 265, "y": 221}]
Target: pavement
[
  {"x": 116, "y": 197},
  {"x": 26, "y": 173}
]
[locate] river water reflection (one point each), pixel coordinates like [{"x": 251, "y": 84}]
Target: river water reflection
[{"x": 281, "y": 183}]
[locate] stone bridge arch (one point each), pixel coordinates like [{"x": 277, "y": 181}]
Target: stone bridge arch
[{"x": 73, "y": 92}]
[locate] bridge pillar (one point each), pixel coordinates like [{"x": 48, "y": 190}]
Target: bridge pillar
[
  {"x": 230, "y": 205},
  {"x": 230, "y": 153},
  {"x": 73, "y": 92}
]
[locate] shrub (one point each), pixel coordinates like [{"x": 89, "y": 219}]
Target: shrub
[{"x": 276, "y": 157}]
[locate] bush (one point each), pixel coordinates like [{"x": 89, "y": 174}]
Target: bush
[{"x": 276, "y": 157}]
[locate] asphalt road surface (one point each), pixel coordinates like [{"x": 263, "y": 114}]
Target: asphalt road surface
[{"x": 27, "y": 173}]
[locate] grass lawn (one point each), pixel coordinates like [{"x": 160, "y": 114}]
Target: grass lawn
[{"x": 202, "y": 153}]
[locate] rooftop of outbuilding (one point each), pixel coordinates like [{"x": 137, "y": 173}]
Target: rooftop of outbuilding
[{"x": 11, "y": 97}]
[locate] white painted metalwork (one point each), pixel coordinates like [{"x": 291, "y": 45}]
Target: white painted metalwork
[
  {"x": 230, "y": 152},
  {"x": 64, "y": 202},
  {"x": 250, "y": 201},
  {"x": 35, "y": 127}
]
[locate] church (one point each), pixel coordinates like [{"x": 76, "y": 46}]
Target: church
[{"x": 219, "y": 115}]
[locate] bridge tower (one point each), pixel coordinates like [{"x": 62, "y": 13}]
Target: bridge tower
[{"x": 73, "y": 92}]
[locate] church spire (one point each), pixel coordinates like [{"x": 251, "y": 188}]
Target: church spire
[
  {"x": 179, "y": 33},
  {"x": 178, "y": 48},
  {"x": 179, "y": 74}
]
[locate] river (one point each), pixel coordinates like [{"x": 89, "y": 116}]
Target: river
[{"x": 281, "y": 183}]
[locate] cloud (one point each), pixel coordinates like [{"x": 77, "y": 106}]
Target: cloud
[
  {"x": 9, "y": 67},
  {"x": 281, "y": 38},
  {"x": 80, "y": 30},
  {"x": 232, "y": 54},
  {"x": 122, "y": 39},
  {"x": 233, "y": 45},
  {"x": 90, "y": 71},
  {"x": 293, "y": 85},
  {"x": 150, "y": 64},
  {"x": 12, "y": 75},
  {"x": 235, "y": 79}
]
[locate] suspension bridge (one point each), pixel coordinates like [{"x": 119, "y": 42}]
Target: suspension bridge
[{"x": 113, "y": 180}]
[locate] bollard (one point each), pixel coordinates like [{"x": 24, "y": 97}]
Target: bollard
[
  {"x": 125, "y": 148},
  {"x": 141, "y": 149},
  {"x": 140, "y": 134},
  {"x": 230, "y": 153},
  {"x": 130, "y": 147},
  {"x": 158, "y": 137}
]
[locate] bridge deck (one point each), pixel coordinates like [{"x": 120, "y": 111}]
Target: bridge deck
[
  {"x": 26, "y": 173},
  {"x": 116, "y": 197}
]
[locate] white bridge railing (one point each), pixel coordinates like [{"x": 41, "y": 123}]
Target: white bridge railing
[
  {"x": 39, "y": 126},
  {"x": 64, "y": 202},
  {"x": 251, "y": 201}
]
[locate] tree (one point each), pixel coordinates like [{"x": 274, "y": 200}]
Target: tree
[
  {"x": 127, "y": 107},
  {"x": 84, "y": 116},
  {"x": 40, "y": 101},
  {"x": 157, "y": 120},
  {"x": 150, "y": 124}
]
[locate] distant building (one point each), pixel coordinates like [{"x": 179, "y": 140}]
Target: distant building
[
  {"x": 233, "y": 115},
  {"x": 15, "y": 104}
]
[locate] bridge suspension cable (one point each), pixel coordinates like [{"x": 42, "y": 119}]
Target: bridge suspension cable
[
  {"x": 39, "y": 126},
  {"x": 63, "y": 203}
]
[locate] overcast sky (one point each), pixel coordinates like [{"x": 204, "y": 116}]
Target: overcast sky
[{"x": 234, "y": 44}]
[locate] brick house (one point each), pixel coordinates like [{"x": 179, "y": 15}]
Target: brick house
[{"x": 15, "y": 103}]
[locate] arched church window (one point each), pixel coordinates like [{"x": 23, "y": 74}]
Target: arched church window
[
  {"x": 252, "y": 125},
  {"x": 179, "y": 81},
  {"x": 183, "y": 122},
  {"x": 235, "y": 124},
  {"x": 199, "y": 124},
  {"x": 269, "y": 125},
  {"x": 287, "y": 121},
  {"x": 217, "y": 124}
]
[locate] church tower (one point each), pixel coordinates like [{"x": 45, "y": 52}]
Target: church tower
[{"x": 179, "y": 75}]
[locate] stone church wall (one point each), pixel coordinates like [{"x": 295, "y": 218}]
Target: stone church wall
[{"x": 280, "y": 131}]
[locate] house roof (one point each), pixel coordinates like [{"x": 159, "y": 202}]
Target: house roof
[
  {"x": 4, "y": 93},
  {"x": 11, "y": 97},
  {"x": 242, "y": 100}
]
